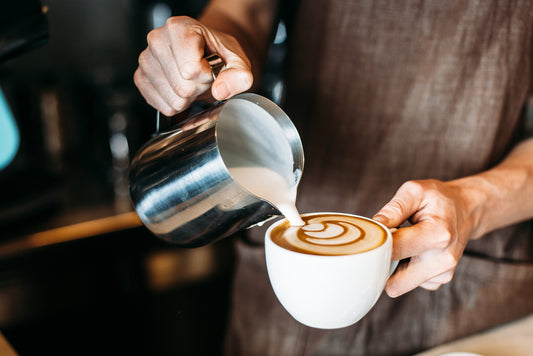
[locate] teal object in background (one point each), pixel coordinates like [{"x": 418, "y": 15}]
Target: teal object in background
[{"x": 9, "y": 135}]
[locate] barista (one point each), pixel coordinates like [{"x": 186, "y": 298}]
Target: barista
[{"x": 408, "y": 111}]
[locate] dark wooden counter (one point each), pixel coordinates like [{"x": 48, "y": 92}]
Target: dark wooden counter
[{"x": 67, "y": 226}]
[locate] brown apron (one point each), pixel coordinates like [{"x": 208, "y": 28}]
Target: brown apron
[{"x": 388, "y": 91}]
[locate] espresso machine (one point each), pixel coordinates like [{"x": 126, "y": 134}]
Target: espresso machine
[
  {"x": 75, "y": 119},
  {"x": 23, "y": 27},
  {"x": 70, "y": 108}
]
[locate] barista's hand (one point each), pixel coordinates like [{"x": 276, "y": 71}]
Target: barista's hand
[
  {"x": 443, "y": 221},
  {"x": 173, "y": 72}
]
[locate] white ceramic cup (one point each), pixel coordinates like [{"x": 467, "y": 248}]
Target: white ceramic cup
[{"x": 328, "y": 292}]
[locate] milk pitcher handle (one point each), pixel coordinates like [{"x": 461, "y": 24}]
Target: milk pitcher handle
[{"x": 216, "y": 63}]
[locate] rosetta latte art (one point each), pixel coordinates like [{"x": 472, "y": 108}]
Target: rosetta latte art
[
  {"x": 320, "y": 231},
  {"x": 330, "y": 234}
]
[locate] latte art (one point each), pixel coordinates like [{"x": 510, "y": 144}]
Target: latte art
[{"x": 330, "y": 234}]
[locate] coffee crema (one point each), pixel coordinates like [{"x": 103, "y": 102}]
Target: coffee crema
[{"x": 330, "y": 235}]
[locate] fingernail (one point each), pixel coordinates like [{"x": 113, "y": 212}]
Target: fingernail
[
  {"x": 221, "y": 90},
  {"x": 388, "y": 291},
  {"x": 392, "y": 294}
]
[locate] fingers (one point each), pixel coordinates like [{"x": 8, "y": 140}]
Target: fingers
[
  {"x": 405, "y": 203},
  {"x": 427, "y": 234},
  {"x": 230, "y": 82},
  {"x": 186, "y": 46},
  {"x": 155, "y": 86},
  {"x": 236, "y": 76},
  {"x": 429, "y": 209},
  {"x": 159, "y": 77},
  {"x": 173, "y": 72},
  {"x": 150, "y": 93},
  {"x": 434, "y": 243},
  {"x": 429, "y": 271}
]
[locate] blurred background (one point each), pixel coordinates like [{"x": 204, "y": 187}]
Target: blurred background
[{"x": 78, "y": 273}]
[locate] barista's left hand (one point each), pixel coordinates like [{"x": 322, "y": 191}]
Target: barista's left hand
[
  {"x": 442, "y": 225},
  {"x": 446, "y": 215}
]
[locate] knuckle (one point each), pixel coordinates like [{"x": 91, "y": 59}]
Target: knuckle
[
  {"x": 179, "y": 104},
  {"x": 427, "y": 187},
  {"x": 415, "y": 186},
  {"x": 183, "y": 26},
  {"x": 444, "y": 238},
  {"x": 397, "y": 206},
  {"x": 168, "y": 111},
  {"x": 449, "y": 261},
  {"x": 175, "y": 21},
  {"x": 431, "y": 287},
  {"x": 189, "y": 70},
  {"x": 432, "y": 183},
  {"x": 144, "y": 59},
  {"x": 154, "y": 38},
  {"x": 447, "y": 277},
  {"x": 176, "y": 24},
  {"x": 247, "y": 79},
  {"x": 178, "y": 21},
  {"x": 232, "y": 42},
  {"x": 184, "y": 90},
  {"x": 138, "y": 78}
]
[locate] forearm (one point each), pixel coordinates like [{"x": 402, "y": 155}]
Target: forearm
[
  {"x": 502, "y": 195},
  {"x": 250, "y": 22}
]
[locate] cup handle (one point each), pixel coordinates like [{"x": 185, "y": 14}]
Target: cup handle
[{"x": 393, "y": 264}]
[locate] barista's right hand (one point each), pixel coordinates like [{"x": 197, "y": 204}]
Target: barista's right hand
[{"x": 173, "y": 71}]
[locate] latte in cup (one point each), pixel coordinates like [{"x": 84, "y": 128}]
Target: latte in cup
[
  {"x": 330, "y": 235},
  {"x": 329, "y": 272}
]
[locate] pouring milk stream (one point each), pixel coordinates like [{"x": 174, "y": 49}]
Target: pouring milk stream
[
  {"x": 263, "y": 182},
  {"x": 270, "y": 186}
]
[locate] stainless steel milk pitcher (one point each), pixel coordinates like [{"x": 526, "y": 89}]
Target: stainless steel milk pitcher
[{"x": 180, "y": 182}]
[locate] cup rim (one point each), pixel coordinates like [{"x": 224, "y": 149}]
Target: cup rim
[{"x": 268, "y": 239}]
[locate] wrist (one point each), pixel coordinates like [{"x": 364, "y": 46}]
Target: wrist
[
  {"x": 474, "y": 202},
  {"x": 251, "y": 33},
  {"x": 496, "y": 198}
]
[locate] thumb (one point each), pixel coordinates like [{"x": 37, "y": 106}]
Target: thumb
[
  {"x": 236, "y": 75},
  {"x": 401, "y": 207},
  {"x": 235, "y": 78}
]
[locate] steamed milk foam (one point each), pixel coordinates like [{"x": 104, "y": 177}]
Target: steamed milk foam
[{"x": 330, "y": 234}]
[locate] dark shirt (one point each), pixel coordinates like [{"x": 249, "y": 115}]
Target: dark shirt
[{"x": 388, "y": 91}]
